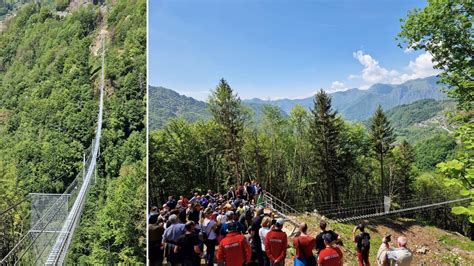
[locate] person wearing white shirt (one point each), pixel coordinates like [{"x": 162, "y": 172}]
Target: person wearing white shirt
[{"x": 262, "y": 232}]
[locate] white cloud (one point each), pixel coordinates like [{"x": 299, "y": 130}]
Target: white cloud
[
  {"x": 372, "y": 72},
  {"x": 422, "y": 67},
  {"x": 337, "y": 85}
]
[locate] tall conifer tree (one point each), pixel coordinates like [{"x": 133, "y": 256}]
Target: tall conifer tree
[
  {"x": 381, "y": 134},
  {"x": 226, "y": 109},
  {"x": 325, "y": 130}
]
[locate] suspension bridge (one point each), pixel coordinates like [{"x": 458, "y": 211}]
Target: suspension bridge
[
  {"x": 54, "y": 217},
  {"x": 357, "y": 210}
]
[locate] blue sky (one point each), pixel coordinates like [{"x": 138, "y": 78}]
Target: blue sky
[{"x": 279, "y": 49}]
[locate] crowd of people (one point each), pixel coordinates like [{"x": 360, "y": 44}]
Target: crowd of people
[{"x": 234, "y": 229}]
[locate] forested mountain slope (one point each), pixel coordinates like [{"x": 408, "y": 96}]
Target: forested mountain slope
[
  {"x": 354, "y": 104},
  {"x": 48, "y": 112},
  {"x": 165, "y": 104},
  {"x": 411, "y": 114}
]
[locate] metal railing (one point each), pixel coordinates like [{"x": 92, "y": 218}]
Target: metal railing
[
  {"x": 404, "y": 210},
  {"x": 282, "y": 209}
]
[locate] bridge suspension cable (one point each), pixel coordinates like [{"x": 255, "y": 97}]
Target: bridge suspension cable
[{"x": 404, "y": 210}]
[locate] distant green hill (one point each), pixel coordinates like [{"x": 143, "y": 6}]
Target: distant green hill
[
  {"x": 406, "y": 115},
  {"x": 420, "y": 120},
  {"x": 165, "y": 104}
]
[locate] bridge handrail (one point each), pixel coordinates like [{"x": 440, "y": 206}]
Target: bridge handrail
[
  {"x": 282, "y": 209},
  {"x": 348, "y": 219},
  {"x": 281, "y": 203}
]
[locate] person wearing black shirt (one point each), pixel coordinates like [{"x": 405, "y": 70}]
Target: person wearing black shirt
[
  {"x": 194, "y": 213},
  {"x": 319, "y": 238},
  {"x": 171, "y": 203},
  {"x": 182, "y": 214},
  {"x": 155, "y": 237},
  {"x": 231, "y": 194},
  {"x": 188, "y": 246},
  {"x": 362, "y": 241},
  {"x": 256, "y": 241}
]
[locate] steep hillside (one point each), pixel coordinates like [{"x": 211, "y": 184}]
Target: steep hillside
[
  {"x": 422, "y": 120},
  {"x": 166, "y": 104},
  {"x": 356, "y": 104},
  {"x": 418, "y": 112},
  {"x": 430, "y": 245},
  {"x": 48, "y": 115}
]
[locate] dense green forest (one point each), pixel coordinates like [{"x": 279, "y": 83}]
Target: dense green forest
[
  {"x": 48, "y": 111},
  {"x": 165, "y": 104}
]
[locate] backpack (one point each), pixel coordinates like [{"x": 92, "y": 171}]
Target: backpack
[
  {"x": 203, "y": 237},
  {"x": 364, "y": 242}
]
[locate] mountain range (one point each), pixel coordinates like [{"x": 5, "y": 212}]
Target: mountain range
[
  {"x": 352, "y": 104},
  {"x": 359, "y": 105}
]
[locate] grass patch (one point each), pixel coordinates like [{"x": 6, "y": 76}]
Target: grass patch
[{"x": 454, "y": 241}]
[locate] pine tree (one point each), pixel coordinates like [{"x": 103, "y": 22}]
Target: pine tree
[
  {"x": 226, "y": 109},
  {"x": 381, "y": 134},
  {"x": 325, "y": 130}
]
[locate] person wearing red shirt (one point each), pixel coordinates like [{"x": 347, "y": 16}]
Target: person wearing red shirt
[
  {"x": 304, "y": 245},
  {"x": 330, "y": 256},
  {"x": 276, "y": 243},
  {"x": 183, "y": 201},
  {"x": 234, "y": 250}
]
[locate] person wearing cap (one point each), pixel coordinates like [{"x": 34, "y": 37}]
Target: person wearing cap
[
  {"x": 187, "y": 247},
  {"x": 209, "y": 227},
  {"x": 319, "y": 238},
  {"x": 276, "y": 243},
  {"x": 304, "y": 245},
  {"x": 330, "y": 255},
  {"x": 234, "y": 249},
  {"x": 362, "y": 241}
]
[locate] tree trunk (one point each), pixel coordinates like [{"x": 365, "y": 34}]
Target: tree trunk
[{"x": 382, "y": 176}]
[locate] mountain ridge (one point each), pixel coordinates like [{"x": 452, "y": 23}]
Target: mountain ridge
[
  {"x": 357, "y": 104},
  {"x": 353, "y": 104}
]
